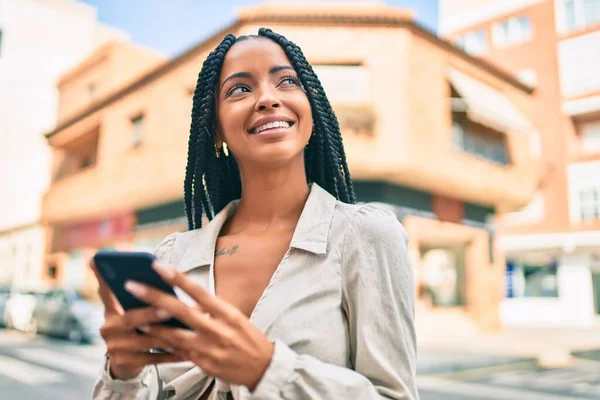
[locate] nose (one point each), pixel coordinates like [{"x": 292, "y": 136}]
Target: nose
[{"x": 267, "y": 100}]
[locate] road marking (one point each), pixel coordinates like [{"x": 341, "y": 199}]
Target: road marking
[
  {"x": 483, "y": 391},
  {"x": 27, "y": 373},
  {"x": 63, "y": 361}
]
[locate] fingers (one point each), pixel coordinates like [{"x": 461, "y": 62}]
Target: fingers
[
  {"x": 111, "y": 304},
  {"x": 181, "y": 339},
  {"x": 132, "y": 319},
  {"x": 201, "y": 296},
  {"x": 127, "y": 360},
  {"x": 157, "y": 298},
  {"x": 135, "y": 343}
]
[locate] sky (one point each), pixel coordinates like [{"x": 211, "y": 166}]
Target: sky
[{"x": 173, "y": 26}]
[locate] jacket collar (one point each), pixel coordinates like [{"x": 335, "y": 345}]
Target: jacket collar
[{"x": 311, "y": 232}]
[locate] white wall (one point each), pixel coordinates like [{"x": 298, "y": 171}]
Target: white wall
[
  {"x": 579, "y": 63},
  {"x": 573, "y": 307},
  {"x": 41, "y": 40}
]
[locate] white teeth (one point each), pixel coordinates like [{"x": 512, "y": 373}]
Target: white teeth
[{"x": 271, "y": 125}]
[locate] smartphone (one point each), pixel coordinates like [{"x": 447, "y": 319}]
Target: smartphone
[{"x": 118, "y": 267}]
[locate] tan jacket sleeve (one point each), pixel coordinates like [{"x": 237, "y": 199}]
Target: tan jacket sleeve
[
  {"x": 148, "y": 384},
  {"x": 378, "y": 298}
]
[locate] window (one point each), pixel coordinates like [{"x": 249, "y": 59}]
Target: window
[
  {"x": 478, "y": 140},
  {"x": 52, "y": 271},
  {"x": 345, "y": 84},
  {"x": 590, "y": 136},
  {"x": 512, "y": 31},
  {"x": 474, "y": 42},
  {"x": 589, "y": 204},
  {"x": 569, "y": 14},
  {"x": 577, "y": 14},
  {"x": 528, "y": 76},
  {"x": 442, "y": 273},
  {"x": 528, "y": 280},
  {"x": 138, "y": 130},
  {"x": 78, "y": 155},
  {"x": 591, "y": 12}
]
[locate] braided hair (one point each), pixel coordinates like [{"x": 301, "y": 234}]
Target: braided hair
[{"x": 211, "y": 182}]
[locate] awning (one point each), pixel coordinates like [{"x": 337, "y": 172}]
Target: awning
[{"x": 488, "y": 106}]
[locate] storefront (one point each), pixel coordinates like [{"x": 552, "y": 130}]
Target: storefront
[
  {"x": 74, "y": 244},
  {"x": 153, "y": 224},
  {"x": 552, "y": 280}
]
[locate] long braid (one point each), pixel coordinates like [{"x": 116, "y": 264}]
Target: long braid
[
  {"x": 201, "y": 150},
  {"x": 211, "y": 182}
]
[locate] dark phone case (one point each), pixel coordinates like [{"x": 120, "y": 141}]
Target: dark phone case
[{"x": 118, "y": 267}]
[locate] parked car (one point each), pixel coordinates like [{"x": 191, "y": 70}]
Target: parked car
[
  {"x": 19, "y": 307},
  {"x": 4, "y": 295},
  {"x": 65, "y": 313}
]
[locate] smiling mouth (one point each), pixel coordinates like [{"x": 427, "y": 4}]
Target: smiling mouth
[{"x": 271, "y": 125}]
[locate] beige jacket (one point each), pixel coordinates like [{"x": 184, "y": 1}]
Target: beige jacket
[{"x": 339, "y": 308}]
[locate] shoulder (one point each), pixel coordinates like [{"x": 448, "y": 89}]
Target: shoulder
[
  {"x": 374, "y": 250},
  {"x": 171, "y": 248},
  {"x": 369, "y": 223}
]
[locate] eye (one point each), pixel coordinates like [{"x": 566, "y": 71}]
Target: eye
[
  {"x": 290, "y": 80},
  {"x": 237, "y": 89}
]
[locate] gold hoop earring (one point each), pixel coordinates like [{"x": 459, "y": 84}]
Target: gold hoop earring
[
  {"x": 225, "y": 149},
  {"x": 217, "y": 151}
]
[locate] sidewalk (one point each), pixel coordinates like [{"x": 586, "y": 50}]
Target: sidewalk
[{"x": 451, "y": 342}]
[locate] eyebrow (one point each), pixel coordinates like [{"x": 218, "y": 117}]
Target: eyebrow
[{"x": 273, "y": 70}]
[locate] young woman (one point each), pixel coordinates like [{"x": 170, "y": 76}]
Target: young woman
[{"x": 291, "y": 290}]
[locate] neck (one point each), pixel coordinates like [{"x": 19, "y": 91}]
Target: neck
[{"x": 272, "y": 195}]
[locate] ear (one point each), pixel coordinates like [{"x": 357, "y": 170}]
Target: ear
[{"x": 218, "y": 139}]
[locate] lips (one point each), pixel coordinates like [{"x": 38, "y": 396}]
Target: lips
[{"x": 270, "y": 122}]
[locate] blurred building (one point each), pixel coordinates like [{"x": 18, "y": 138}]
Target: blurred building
[
  {"x": 553, "y": 244},
  {"x": 39, "y": 41},
  {"x": 441, "y": 138}
]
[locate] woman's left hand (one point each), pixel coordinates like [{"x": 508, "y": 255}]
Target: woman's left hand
[{"x": 223, "y": 342}]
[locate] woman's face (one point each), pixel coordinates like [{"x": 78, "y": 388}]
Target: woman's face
[{"x": 263, "y": 113}]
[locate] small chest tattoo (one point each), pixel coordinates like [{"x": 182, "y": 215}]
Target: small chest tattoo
[{"x": 227, "y": 251}]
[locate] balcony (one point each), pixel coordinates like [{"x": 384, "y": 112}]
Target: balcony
[{"x": 486, "y": 151}]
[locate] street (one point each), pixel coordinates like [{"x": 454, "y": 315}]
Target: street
[
  {"x": 523, "y": 381},
  {"x": 37, "y": 368},
  {"x": 43, "y": 368}
]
